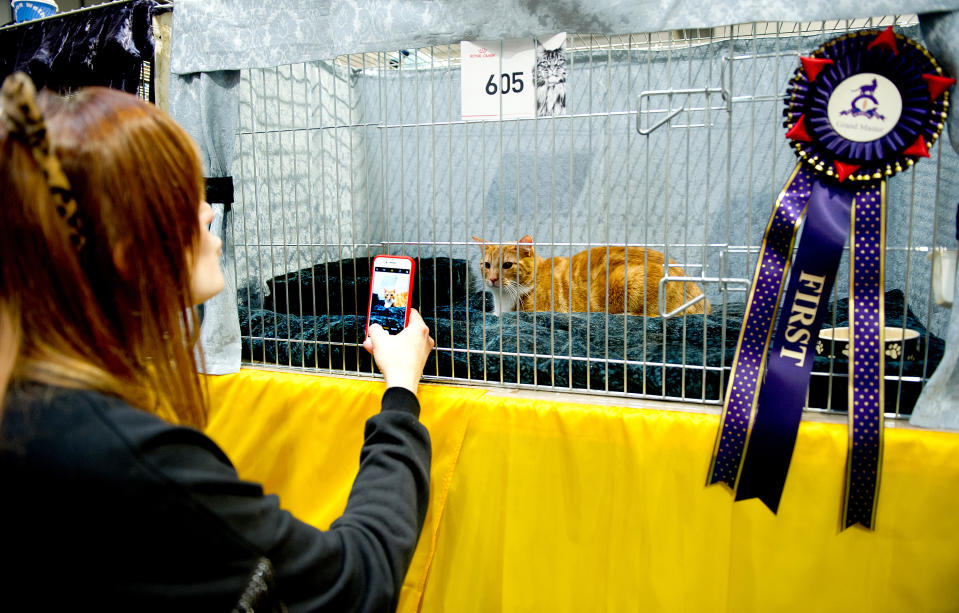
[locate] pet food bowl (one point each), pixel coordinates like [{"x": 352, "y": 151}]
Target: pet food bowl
[
  {"x": 900, "y": 344},
  {"x": 26, "y": 10}
]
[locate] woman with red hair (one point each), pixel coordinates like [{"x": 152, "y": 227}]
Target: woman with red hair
[{"x": 113, "y": 497}]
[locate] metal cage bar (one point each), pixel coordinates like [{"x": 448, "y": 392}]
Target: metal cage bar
[{"x": 657, "y": 149}]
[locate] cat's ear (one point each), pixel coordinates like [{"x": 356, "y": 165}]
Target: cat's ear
[
  {"x": 525, "y": 246},
  {"x": 478, "y": 239}
]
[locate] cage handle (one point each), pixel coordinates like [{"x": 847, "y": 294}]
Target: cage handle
[
  {"x": 672, "y": 113},
  {"x": 722, "y": 279}
]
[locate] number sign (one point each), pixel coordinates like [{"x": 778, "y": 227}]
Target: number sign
[{"x": 496, "y": 79}]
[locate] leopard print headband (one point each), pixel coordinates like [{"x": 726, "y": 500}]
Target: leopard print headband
[{"x": 18, "y": 107}]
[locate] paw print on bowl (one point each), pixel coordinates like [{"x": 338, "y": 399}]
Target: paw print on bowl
[{"x": 834, "y": 342}]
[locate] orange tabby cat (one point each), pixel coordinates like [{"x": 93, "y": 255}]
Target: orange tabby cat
[
  {"x": 522, "y": 281},
  {"x": 394, "y": 298}
]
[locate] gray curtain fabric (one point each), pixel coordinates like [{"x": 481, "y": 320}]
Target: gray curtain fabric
[
  {"x": 331, "y": 160},
  {"x": 940, "y": 32},
  {"x": 205, "y": 105},
  {"x": 306, "y": 174},
  {"x": 938, "y": 406},
  {"x": 299, "y": 186},
  {"x": 230, "y": 34}
]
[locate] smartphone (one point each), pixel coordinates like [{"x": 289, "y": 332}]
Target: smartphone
[{"x": 391, "y": 286}]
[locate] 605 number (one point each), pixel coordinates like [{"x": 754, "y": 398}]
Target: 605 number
[{"x": 508, "y": 83}]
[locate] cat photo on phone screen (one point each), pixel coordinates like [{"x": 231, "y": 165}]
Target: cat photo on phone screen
[
  {"x": 389, "y": 292},
  {"x": 394, "y": 297}
]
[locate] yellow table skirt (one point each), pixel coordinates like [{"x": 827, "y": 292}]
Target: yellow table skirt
[{"x": 539, "y": 505}]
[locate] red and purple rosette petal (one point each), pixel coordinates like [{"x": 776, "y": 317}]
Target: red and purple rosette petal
[{"x": 893, "y": 57}]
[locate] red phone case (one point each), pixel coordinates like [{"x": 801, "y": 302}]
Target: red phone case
[{"x": 369, "y": 303}]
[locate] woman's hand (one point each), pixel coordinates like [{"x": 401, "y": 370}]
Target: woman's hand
[{"x": 401, "y": 358}]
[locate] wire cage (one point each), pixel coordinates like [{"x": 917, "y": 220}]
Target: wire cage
[{"x": 670, "y": 141}]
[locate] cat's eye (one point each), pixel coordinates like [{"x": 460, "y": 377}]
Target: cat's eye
[
  {"x": 507, "y": 265},
  {"x": 486, "y": 264}
]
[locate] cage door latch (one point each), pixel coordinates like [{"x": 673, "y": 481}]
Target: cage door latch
[{"x": 673, "y": 112}]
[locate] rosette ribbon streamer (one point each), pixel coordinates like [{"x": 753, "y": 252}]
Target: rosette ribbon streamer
[{"x": 861, "y": 108}]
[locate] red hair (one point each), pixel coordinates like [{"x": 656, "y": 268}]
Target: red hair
[{"x": 117, "y": 315}]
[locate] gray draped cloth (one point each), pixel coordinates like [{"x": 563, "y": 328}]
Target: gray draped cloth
[
  {"x": 235, "y": 34},
  {"x": 214, "y": 38},
  {"x": 205, "y": 106},
  {"x": 938, "y": 406}
]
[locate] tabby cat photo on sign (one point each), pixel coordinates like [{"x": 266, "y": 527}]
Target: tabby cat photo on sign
[{"x": 549, "y": 75}]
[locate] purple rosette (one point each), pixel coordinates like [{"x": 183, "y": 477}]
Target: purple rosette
[
  {"x": 859, "y": 109},
  {"x": 898, "y": 60}
]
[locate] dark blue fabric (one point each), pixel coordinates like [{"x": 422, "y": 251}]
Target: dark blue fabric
[
  {"x": 104, "y": 46},
  {"x": 570, "y": 349}
]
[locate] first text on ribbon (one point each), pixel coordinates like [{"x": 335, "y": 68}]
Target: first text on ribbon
[{"x": 802, "y": 313}]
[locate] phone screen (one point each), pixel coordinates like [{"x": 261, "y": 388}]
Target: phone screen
[{"x": 389, "y": 297}]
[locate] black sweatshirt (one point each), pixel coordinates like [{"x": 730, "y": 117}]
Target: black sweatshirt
[{"x": 106, "y": 507}]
